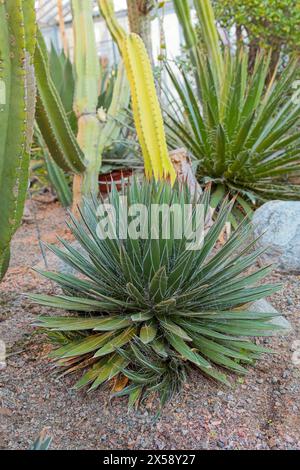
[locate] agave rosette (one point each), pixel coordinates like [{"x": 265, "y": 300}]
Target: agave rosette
[
  {"x": 148, "y": 309},
  {"x": 240, "y": 126}
]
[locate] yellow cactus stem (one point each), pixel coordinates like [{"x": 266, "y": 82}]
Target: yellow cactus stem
[
  {"x": 116, "y": 30},
  {"x": 146, "y": 110},
  {"x": 145, "y": 105}
]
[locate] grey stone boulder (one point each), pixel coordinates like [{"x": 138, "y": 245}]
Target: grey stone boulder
[
  {"x": 278, "y": 225},
  {"x": 263, "y": 306}
]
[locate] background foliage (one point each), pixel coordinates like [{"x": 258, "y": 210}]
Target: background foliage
[{"x": 269, "y": 24}]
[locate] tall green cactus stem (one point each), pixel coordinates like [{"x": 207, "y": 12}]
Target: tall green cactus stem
[
  {"x": 52, "y": 118},
  {"x": 140, "y": 21},
  {"x": 146, "y": 110},
  {"x": 95, "y": 133},
  {"x": 17, "y": 104},
  {"x": 87, "y": 77}
]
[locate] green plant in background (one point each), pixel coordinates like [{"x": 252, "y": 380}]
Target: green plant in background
[
  {"x": 108, "y": 80},
  {"x": 44, "y": 168},
  {"x": 59, "y": 180},
  {"x": 94, "y": 130},
  {"x": 242, "y": 133},
  {"x": 59, "y": 87},
  {"x": 51, "y": 116},
  {"x": 148, "y": 308},
  {"x": 17, "y": 105},
  {"x": 262, "y": 24},
  {"x": 44, "y": 172},
  {"x": 183, "y": 13},
  {"x": 62, "y": 74}
]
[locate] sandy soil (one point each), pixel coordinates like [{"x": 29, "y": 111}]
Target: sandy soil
[{"x": 260, "y": 411}]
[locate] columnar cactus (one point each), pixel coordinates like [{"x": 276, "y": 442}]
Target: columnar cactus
[
  {"x": 23, "y": 64},
  {"x": 87, "y": 76},
  {"x": 81, "y": 156},
  {"x": 51, "y": 116},
  {"x": 94, "y": 134},
  {"x": 145, "y": 105},
  {"x": 17, "y": 105}
]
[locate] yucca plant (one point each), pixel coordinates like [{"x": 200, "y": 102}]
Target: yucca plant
[
  {"x": 242, "y": 133},
  {"x": 149, "y": 309}
]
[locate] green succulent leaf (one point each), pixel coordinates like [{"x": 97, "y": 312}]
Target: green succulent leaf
[
  {"x": 117, "y": 342},
  {"x": 148, "y": 332}
]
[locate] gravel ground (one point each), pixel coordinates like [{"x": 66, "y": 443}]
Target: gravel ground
[{"x": 260, "y": 411}]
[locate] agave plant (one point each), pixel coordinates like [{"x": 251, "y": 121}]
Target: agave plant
[
  {"x": 242, "y": 133},
  {"x": 43, "y": 441},
  {"x": 148, "y": 308}
]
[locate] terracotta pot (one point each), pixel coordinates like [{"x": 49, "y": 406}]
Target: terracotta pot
[{"x": 116, "y": 176}]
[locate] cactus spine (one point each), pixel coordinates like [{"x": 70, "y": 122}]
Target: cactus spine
[
  {"x": 17, "y": 104},
  {"x": 146, "y": 110}
]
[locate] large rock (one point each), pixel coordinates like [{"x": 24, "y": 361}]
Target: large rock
[
  {"x": 263, "y": 306},
  {"x": 278, "y": 225}
]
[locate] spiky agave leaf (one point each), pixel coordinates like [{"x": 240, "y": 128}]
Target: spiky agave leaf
[
  {"x": 241, "y": 130},
  {"x": 150, "y": 309},
  {"x": 244, "y": 136}
]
